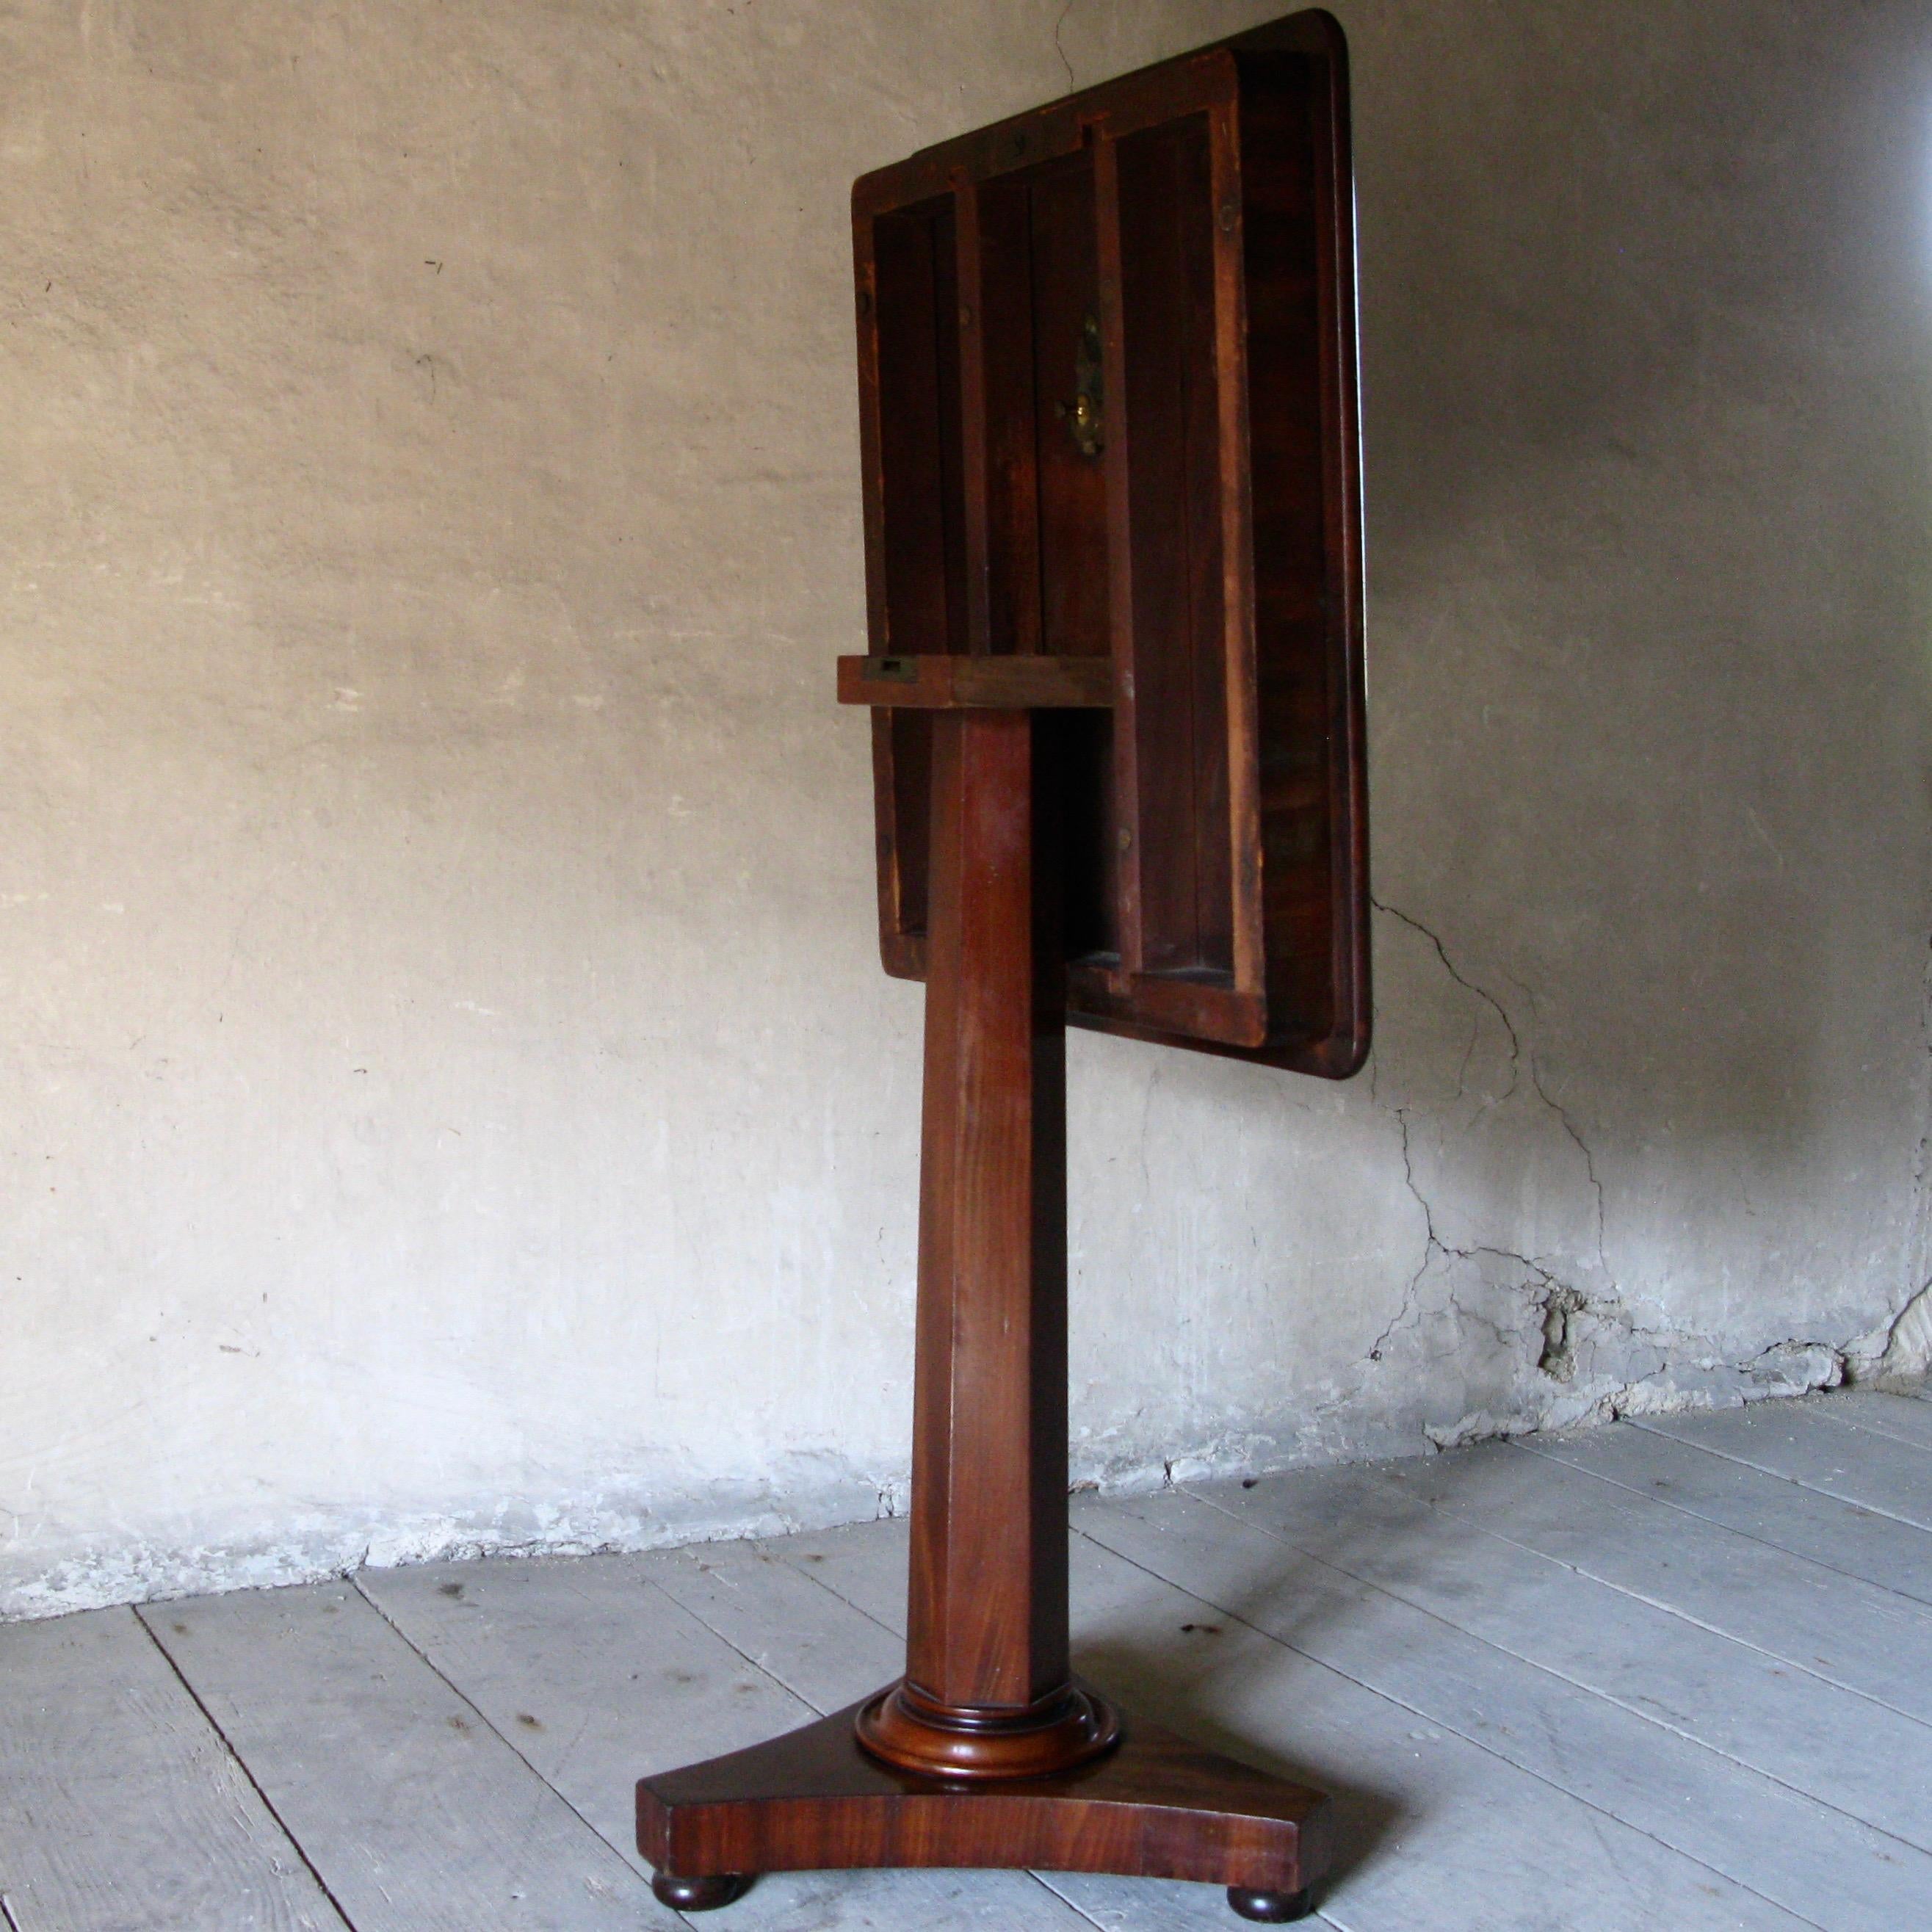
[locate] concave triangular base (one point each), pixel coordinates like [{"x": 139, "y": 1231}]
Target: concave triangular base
[{"x": 1155, "y": 1807}]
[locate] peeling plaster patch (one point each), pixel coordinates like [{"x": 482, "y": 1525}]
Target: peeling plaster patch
[
  {"x": 1684, "y": 1381},
  {"x": 1558, "y": 1358},
  {"x": 1479, "y": 1426},
  {"x": 1239, "y": 1453},
  {"x": 793, "y": 1499},
  {"x": 1899, "y": 1351},
  {"x": 1797, "y": 1368}
]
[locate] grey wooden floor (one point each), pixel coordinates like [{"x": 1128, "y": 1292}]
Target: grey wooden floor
[{"x": 1676, "y": 1674}]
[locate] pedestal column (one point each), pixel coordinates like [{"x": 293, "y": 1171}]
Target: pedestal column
[{"x": 987, "y": 1691}]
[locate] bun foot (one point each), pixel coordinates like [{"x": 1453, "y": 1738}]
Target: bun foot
[
  {"x": 699, "y": 1895},
  {"x": 1271, "y": 1908}
]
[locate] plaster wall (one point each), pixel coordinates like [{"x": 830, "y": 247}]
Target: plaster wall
[{"x": 447, "y": 1095}]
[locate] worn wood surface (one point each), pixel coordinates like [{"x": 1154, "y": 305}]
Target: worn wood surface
[
  {"x": 1813, "y": 1619},
  {"x": 1804, "y": 1854},
  {"x": 1756, "y": 1503},
  {"x": 120, "y": 1806},
  {"x": 1897, "y": 1416},
  {"x": 1436, "y": 1831},
  {"x": 1842, "y": 1748},
  {"x": 415, "y": 1813},
  {"x": 1800, "y": 1442},
  {"x": 1396, "y": 1635},
  {"x": 591, "y": 1670}
]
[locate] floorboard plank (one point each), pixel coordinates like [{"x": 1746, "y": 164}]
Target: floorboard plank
[
  {"x": 418, "y": 1817},
  {"x": 1896, "y": 1416},
  {"x": 1847, "y": 1631},
  {"x": 1838, "y": 1535},
  {"x": 121, "y": 1808},
  {"x": 1437, "y": 1832},
  {"x": 1793, "y": 1440},
  {"x": 823, "y": 1650},
  {"x": 597, "y": 1675},
  {"x": 1822, "y": 1866},
  {"x": 1679, "y": 1674},
  {"x": 1839, "y": 1748}
]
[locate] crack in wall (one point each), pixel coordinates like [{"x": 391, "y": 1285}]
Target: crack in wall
[
  {"x": 1482, "y": 993},
  {"x": 1430, "y": 1242},
  {"x": 1577, "y": 1351},
  {"x": 1059, "y": 46},
  {"x": 1918, "y": 1263},
  {"x": 1570, "y": 1127},
  {"x": 1433, "y": 1242}
]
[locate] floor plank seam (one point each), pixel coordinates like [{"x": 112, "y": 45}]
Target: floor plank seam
[
  {"x": 1776, "y": 1656},
  {"x": 1682, "y": 1615},
  {"x": 1528, "y": 1448},
  {"x": 1734, "y": 1528},
  {"x": 242, "y": 1765},
  {"x": 1587, "y": 1690},
  {"x": 792, "y": 1564},
  {"x": 811, "y": 1703},
  {"x": 442, "y": 1677},
  {"x": 1796, "y": 1482},
  {"x": 1489, "y": 1750},
  {"x": 1866, "y": 1426},
  {"x": 1318, "y": 1918}
]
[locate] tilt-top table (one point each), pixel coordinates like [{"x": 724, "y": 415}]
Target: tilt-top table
[{"x": 1107, "y": 385}]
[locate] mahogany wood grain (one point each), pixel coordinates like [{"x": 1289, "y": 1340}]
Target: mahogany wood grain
[
  {"x": 1158, "y": 1807},
  {"x": 986, "y": 1621},
  {"x": 987, "y": 1690},
  {"x": 1200, "y": 215},
  {"x": 952, "y": 684},
  {"x": 1107, "y": 405},
  {"x": 987, "y": 1751}
]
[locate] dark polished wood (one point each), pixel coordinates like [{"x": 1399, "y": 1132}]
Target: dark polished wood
[
  {"x": 989, "y": 1752},
  {"x": 1157, "y": 1806},
  {"x": 961, "y": 684},
  {"x": 1115, "y": 684},
  {"x": 987, "y": 1691},
  {"x": 1119, "y": 421},
  {"x": 1271, "y": 1908},
  {"x": 699, "y": 1895}
]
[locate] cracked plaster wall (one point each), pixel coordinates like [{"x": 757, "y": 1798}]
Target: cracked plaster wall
[{"x": 450, "y": 1099}]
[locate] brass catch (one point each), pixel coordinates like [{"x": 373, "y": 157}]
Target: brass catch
[{"x": 1083, "y": 416}]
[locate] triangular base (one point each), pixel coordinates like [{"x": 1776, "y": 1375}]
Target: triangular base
[{"x": 1155, "y": 1807}]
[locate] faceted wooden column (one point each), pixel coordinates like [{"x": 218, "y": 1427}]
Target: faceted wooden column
[
  {"x": 987, "y": 1692},
  {"x": 986, "y": 1752}
]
